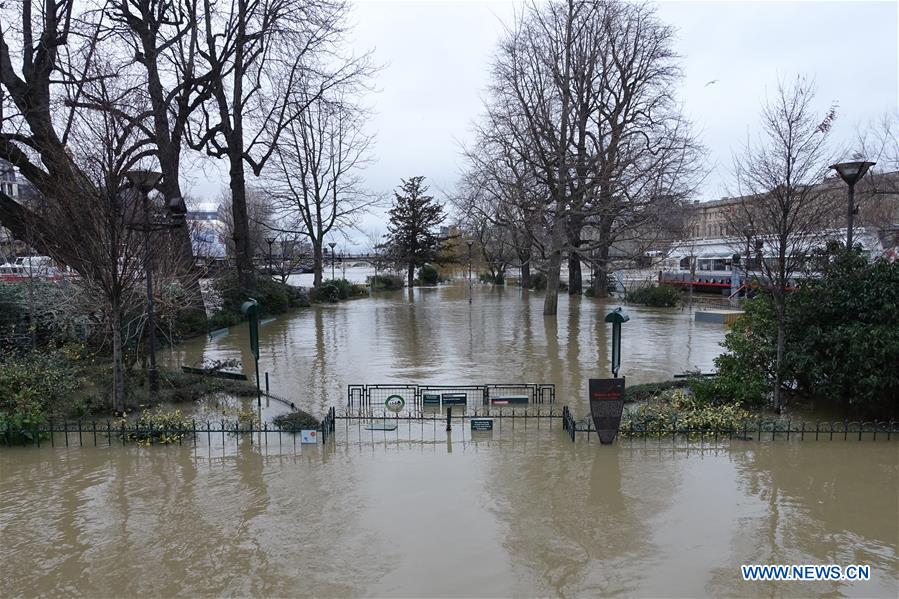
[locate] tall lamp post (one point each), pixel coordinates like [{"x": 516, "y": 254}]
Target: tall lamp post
[
  {"x": 470, "y": 242},
  {"x": 851, "y": 173},
  {"x": 332, "y": 244},
  {"x": 270, "y": 241},
  {"x": 144, "y": 182}
]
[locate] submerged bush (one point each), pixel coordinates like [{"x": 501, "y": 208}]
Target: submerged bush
[
  {"x": 386, "y": 282},
  {"x": 296, "y": 421},
  {"x": 273, "y": 297},
  {"x": 650, "y": 390},
  {"x": 657, "y": 296},
  {"x": 428, "y": 275},
  {"x": 538, "y": 281},
  {"x": 497, "y": 279},
  {"x": 334, "y": 290},
  {"x": 678, "y": 410},
  {"x": 37, "y": 385},
  {"x": 158, "y": 426}
]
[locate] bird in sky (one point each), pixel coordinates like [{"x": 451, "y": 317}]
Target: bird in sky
[{"x": 712, "y": 82}]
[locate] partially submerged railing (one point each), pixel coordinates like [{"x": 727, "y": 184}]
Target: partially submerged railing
[
  {"x": 758, "y": 430},
  {"x": 79, "y": 433},
  {"x": 414, "y": 395}
]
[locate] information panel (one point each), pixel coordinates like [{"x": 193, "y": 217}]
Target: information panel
[{"x": 606, "y": 406}]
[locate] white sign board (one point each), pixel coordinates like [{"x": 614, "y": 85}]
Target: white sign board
[{"x": 309, "y": 436}]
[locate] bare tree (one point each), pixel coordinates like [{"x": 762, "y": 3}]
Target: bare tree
[
  {"x": 293, "y": 251},
  {"x": 56, "y": 85},
  {"x": 89, "y": 223},
  {"x": 780, "y": 199},
  {"x": 583, "y": 93},
  {"x": 316, "y": 172},
  {"x": 498, "y": 189},
  {"x": 878, "y": 192},
  {"x": 262, "y": 51},
  {"x": 261, "y": 221},
  {"x": 33, "y": 133}
]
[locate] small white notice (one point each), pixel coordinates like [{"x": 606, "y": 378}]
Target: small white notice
[{"x": 310, "y": 436}]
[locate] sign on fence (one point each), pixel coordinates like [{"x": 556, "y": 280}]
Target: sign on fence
[
  {"x": 309, "y": 436},
  {"x": 482, "y": 424},
  {"x": 606, "y": 406},
  {"x": 395, "y": 403}
]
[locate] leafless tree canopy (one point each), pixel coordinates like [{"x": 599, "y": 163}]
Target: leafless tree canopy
[
  {"x": 316, "y": 173},
  {"x": 582, "y": 104},
  {"x": 781, "y": 201}
]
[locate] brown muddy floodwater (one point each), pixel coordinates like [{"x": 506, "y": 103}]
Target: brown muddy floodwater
[{"x": 419, "y": 512}]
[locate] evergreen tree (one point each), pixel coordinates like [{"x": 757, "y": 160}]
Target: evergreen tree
[{"x": 413, "y": 218}]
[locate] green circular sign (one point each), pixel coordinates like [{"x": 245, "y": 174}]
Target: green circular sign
[{"x": 395, "y": 403}]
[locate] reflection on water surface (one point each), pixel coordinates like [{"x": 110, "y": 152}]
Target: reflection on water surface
[{"x": 527, "y": 513}]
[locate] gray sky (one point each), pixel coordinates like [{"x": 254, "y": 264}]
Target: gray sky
[{"x": 436, "y": 57}]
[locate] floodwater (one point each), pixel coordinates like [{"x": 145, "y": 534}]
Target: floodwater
[
  {"x": 436, "y": 336},
  {"x": 419, "y": 512}
]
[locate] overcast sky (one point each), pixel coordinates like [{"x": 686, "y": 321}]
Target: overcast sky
[{"x": 436, "y": 57}]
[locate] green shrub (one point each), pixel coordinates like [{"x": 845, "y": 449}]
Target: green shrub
[
  {"x": 38, "y": 385},
  {"x": 191, "y": 322},
  {"x": 428, "y": 275},
  {"x": 678, "y": 409},
  {"x": 223, "y": 319},
  {"x": 273, "y": 297},
  {"x": 842, "y": 339},
  {"x": 40, "y": 310},
  {"x": 334, "y": 290},
  {"x": 538, "y": 281},
  {"x": 158, "y": 426},
  {"x": 386, "y": 282},
  {"x": 648, "y": 391},
  {"x": 296, "y": 421},
  {"x": 498, "y": 279},
  {"x": 657, "y": 296}
]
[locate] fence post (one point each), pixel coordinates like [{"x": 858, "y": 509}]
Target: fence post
[{"x": 449, "y": 416}]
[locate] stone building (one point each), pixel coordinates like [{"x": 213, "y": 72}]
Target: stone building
[{"x": 876, "y": 200}]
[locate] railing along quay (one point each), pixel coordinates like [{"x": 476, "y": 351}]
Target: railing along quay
[
  {"x": 80, "y": 433},
  {"x": 761, "y": 430}
]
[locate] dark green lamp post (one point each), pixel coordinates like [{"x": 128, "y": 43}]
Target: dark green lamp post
[
  {"x": 616, "y": 317},
  {"x": 250, "y": 309}
]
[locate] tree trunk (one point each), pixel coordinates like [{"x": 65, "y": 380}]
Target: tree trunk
[
  {"x": 526, "y": 273},
  {"x": 778, "y": 362},
  {"x": 411, "y": 274},
  {"x": 243, "y": 254},
  {"x": 601, "y": 273},
  {"x": 575, "y": 278},
  {"x": 118, "y": 366},
  {"x": 169, "y": 154},
  {"x": 551, "y": 300},
  {"x": 317, "y": 264},
  {"x": 575, "y": 281}
]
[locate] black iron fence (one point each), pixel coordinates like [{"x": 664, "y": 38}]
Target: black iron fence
[
  {"x": 119, "y": 432},
  {"x": 758, "y": 430},
  {"x": 416, "y": 396},
  {"x": 79, "y": 433}
]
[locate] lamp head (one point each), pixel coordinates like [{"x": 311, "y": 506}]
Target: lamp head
[
  {"x": 144, "y": 180},
  {"x": 852, "y": 172}
]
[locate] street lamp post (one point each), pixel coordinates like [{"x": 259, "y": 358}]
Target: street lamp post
[
  {"x": 270, "y": 241},
  {"x": 851, "y": 173},
  {"x": 332, "y": 244},
  {"x": 470, "y": 243},
  {"x": 145, "y": 181}
]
